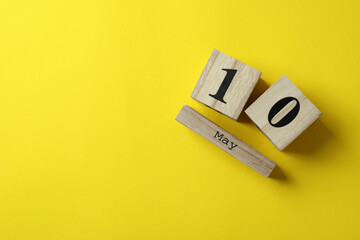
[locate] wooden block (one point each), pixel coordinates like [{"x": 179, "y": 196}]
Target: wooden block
[
  {"x": 282, "y": 113},
  {"x": 225, "y": 140},
  {"x": 225, "y": 84}
]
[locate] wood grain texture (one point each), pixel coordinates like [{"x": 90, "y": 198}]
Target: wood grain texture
[
  {"x": 259, "y": 113},
  {"x": 225, "y": 140},
  {"x": 239, "y": 90}
]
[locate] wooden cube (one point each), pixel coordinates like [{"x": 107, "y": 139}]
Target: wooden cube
[
  {"x": 225, "y": 84},
  {"x": 282, "y": 113}
]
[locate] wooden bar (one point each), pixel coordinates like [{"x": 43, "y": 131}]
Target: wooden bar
[{"x": 225, "y": 140}]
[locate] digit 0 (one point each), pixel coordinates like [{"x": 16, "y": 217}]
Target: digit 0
[{"x": 289, "y": 117}]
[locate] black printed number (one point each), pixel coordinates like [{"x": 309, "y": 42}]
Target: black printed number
[
  {"x": 230, "y": 73},
  {"x": 291, "y": 115}
]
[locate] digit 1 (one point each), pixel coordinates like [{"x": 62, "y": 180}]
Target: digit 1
[
  {"x": 291, "y": 115},
  {"x": 230, "y": 73}
]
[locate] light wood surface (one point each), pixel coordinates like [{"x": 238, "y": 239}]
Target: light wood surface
[
  {"x": 212, "y": 77},
  {"x": 259, "y": 113},
  {"x": 225, "y": 140}
]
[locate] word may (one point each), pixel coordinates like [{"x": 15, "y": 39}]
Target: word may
[{"x": 224, "y": 140}]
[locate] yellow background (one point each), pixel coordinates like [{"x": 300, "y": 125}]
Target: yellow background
[{"x": 90, "y": 149}]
